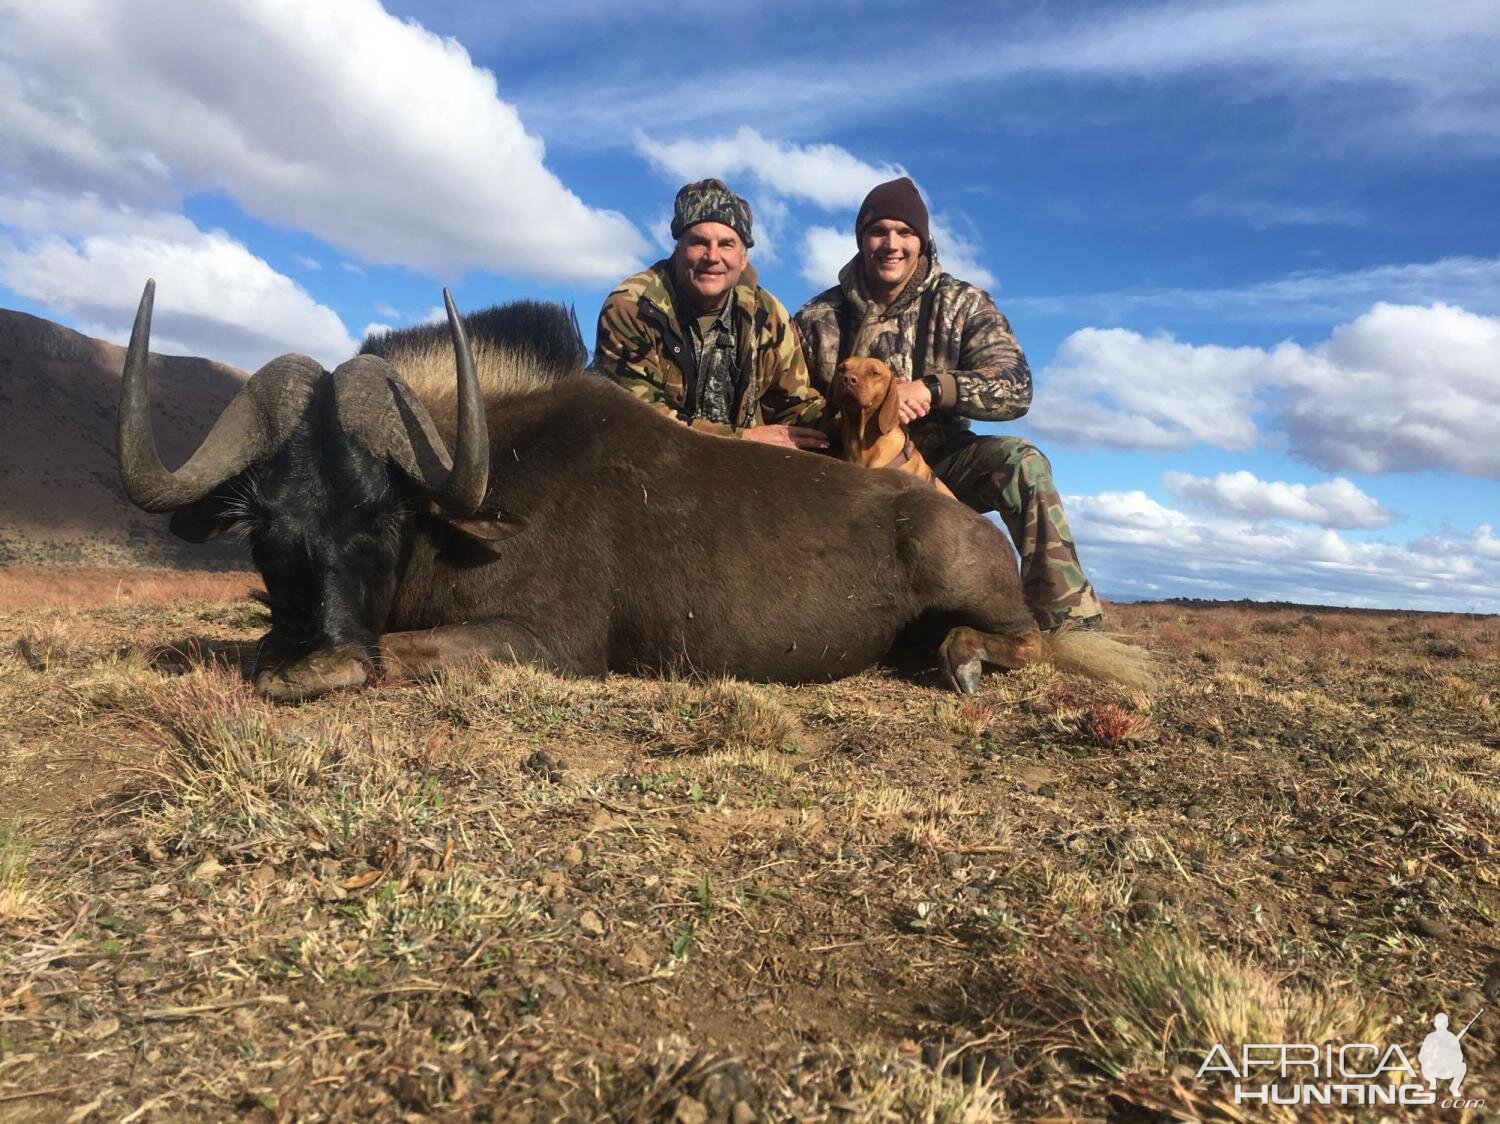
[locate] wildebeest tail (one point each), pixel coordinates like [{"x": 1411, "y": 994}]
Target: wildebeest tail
[{"x": 1099, "y": 656}]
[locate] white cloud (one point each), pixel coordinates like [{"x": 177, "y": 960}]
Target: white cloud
[
  {"x": 1373, "y": 74},
  {"x": 374, "y": 328},
  {"x": 388, "y": 311},
  {"x": 372, "y": 133},
  {"x": 1400, "y": 388},
  {"x": 1336, "y": 503},
  {"x": 824, "y": 252},
  {"x": 214, "y": 297},
  {"x": 307, "y": 262},
  {"x": 824, "y": 174},
  {"x": 1310, "y": 297},
  {"x": 1134, "y": 546},
  {"x": 1112, "y": 387},
  {"x": 960, "y": 255}
]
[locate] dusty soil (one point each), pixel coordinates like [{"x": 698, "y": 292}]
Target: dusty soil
[{"x": 503, "y": 895}]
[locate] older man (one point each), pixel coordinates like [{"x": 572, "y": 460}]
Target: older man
[
  {"x": 697, "y": 338},
  {"x": 957, "y": 359}
]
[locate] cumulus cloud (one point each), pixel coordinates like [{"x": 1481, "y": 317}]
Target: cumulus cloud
[
  {"x": 824, "y": 252},
  {"x": 1135, "y": 546},
  {"x": 1336, "y": 503},
  {"x": 1400, "y": 388},
  {"x": 214, "y": 297},
  {"x": 335, "y": 118},
  {"x": 1112, "y": 387},
  {"x": 824, "y": 174}
]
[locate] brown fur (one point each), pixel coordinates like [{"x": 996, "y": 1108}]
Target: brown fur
[{"x": 864, "y": 412}]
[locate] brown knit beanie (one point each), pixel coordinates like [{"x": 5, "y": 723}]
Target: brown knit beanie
[
  {"x": 711, "y": 201},
  {"x": 894, "y": 199}
]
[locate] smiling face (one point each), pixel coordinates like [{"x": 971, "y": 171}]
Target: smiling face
[
  {"x": 890, "y": 251},
  {"x": 707, "y": 263}
]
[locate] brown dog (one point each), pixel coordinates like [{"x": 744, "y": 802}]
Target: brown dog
[{"x": 864, "y": 409}]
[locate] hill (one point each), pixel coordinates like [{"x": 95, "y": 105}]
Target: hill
[{"x": 60, "y": 494}]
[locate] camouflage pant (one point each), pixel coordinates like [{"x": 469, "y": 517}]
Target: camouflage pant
[{"x": 1010, "y": 476}]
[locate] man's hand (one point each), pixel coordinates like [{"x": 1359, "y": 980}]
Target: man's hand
[
  {"x": 914, "y": 400},
  {"x": 792, "y": 436}
]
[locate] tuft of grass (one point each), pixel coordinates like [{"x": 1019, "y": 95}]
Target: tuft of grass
[
  {"x": 1111, "y": 725},
  {"x": 16, "y": 900},
  {"x": 224, "y": 750},
  {"x": 1165, "y": 998},
  {"x": 48, "y": 645}
]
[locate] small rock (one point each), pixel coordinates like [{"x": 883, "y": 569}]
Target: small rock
[
  {"x": 573, "y": 855},
  {"x": 1431, "y": 927},
  {"x": 591, "y": 923},
  {"x": 103, "y": 1029},
  {"x": 542, "y": 765},
  {"x": 952, "y": 860},
  {"x": 208, "y": 870},
  {"x": 1193, "y": 811},
  {"x": 689, "y": 1111},
  {"x": 741, "y": 1113}
]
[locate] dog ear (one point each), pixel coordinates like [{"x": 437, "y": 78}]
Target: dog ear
[
  {"x": 833, "y": 398},
  {"x": 890, "y": 409}
]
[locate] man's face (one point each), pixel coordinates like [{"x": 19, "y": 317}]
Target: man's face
[
  {"x": 708, "y": 262},
  {"x": 891, "y": 251}
]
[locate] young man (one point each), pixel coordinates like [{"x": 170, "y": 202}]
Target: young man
[
  {"x": 957, "y": 359},
  {"x": 696, "y": 337}
]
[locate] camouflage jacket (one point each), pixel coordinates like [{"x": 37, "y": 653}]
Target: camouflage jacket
[
  {"x": 970, "y": 349},
  {"x": 643, "y": 346}
]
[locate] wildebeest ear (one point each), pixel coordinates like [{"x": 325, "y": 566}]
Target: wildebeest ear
[
  {"x": 488, "y": 526},
  {"x": 201, "y": 520}
]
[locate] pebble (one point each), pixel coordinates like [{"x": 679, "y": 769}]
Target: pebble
[
  {"x": 689, "y": 1111},
  {"x": 1431, "y": 927},
  {"x": 591, "y": 923}
]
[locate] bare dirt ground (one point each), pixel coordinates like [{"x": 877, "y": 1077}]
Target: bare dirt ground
[{"x": 503, "y": 895}]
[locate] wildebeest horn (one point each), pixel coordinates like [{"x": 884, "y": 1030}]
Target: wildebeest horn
[
  {"x": 377, "y": 407},
  {"x": 260, "y": 417}
]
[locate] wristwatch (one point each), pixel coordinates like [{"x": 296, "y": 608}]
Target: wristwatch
[{"x": 934, "y": 387}]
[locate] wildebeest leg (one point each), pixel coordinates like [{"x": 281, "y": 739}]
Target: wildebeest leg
[
  {"x": 413, "y": 655},
  {"x": 966, "y": 650},
  {"x": 315, "y": 674}
]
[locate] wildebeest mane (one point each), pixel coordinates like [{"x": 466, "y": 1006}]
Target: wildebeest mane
[{"x": 518, "y": 347}]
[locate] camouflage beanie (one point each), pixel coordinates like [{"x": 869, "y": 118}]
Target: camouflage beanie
[
  {"x": 711, "y": 201},
  {"x": 894, "y": 199}
]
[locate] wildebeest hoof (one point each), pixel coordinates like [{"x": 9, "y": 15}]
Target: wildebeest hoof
[
  {"x": 966, "y": 677},
  {"x": 314, "y": 675}
]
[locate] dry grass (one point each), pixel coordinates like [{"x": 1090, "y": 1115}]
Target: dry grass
[{"x": 503, "y": 894}]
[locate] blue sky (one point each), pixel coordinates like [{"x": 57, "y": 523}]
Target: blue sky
[{"x": 1251, "y": 249}]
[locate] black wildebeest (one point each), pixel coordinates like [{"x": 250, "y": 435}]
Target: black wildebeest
[{"x": 572, "y": 527}]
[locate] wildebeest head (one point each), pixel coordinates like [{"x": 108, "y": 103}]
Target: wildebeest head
[{"x": 320, "y": 472}]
